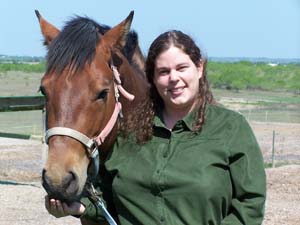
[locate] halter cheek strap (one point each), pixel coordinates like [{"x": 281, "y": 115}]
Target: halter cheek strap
[
  {"x": 118, "y": 107},
  {"x": 90, "y": 145},
  {"x": 109, "y": 126}
]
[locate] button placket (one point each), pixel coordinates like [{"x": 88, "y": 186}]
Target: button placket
[{"x": 158, "y": 181}]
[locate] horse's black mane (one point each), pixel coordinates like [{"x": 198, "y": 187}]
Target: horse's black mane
[{"x": 76, "y": 45}]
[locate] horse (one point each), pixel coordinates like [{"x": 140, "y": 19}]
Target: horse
[{"x": 94, "y": 88}]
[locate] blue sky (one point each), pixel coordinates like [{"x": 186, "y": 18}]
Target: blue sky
[{"x": 231, "y": 28}]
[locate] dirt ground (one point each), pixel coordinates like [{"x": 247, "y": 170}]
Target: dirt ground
[{"x": 22, "y": 197}]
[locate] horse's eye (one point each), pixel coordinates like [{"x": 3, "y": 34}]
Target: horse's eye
[
  {"x": 42, "y": 90},
  {"x": 102, "y": 94}
]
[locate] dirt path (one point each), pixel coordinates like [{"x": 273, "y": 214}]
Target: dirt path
[
  {"x": 22, "y": 197},
  {"x": 283, "y": 196},
  {"x": 23, "y": 204}
]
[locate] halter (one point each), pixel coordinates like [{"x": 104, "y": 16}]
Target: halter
[{"x": 92, "y": 144}]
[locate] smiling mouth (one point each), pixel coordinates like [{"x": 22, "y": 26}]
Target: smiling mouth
[{"x": 176, "y": 91}]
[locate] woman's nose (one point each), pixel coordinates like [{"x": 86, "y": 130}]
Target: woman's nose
[{"x": 174, "y": 76}]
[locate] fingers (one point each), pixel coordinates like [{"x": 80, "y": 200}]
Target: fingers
[
  {"x": 61, "y": 209},
  {"x": 55, "y": 207},
  {"x": 47, "y": 203},
  {"x": 74, "y": 208},
  {"x": 68, "y": 208}
]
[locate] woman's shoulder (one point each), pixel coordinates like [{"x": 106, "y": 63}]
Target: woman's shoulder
[
  {"x": 222, "y": 121},
  {"x": 218, "y": 111}
]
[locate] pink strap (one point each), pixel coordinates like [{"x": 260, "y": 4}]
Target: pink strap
[
  {"x": 113, "y": 119},
  {"x": 126, "y": 94},
  {"x": 109, "y": 126}
]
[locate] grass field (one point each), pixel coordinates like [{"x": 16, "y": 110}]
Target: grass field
[
  {"x": 265, "y": 106},
  {"x": 19, "y": 83}
]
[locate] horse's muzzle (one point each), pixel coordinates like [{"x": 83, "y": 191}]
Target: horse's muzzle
[{"x": 66, "y": 190}]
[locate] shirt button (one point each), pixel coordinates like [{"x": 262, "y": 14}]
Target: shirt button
[
  {"x": 156, "y": 192},
  {"x": 165, "y": 155},
  {"x": 162, "y": 219},
  {"x": 157, "y": 171},
  {"x": 229, "y": 126}
]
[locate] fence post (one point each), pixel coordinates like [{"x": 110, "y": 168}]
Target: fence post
[{"x": 273, "y": 149}]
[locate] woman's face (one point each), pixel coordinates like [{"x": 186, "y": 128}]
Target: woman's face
[{"x": 176, "y": 78}]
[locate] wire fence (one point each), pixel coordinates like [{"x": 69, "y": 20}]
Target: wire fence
[
  {"x": 21, "y": 116},
  {"x": 277, "y": 131}
]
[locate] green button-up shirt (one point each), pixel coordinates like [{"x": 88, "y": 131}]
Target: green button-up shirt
[{"x": 215, "y": 176}]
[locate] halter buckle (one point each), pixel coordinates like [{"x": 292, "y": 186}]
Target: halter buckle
[{"x": 93, "y": 151}]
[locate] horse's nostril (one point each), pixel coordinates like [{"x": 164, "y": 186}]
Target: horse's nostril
[
  {"x": 70, "y": 183},
  {"x": 73, "y": 175},
  {"x": 45, "y": 181},
  {"x": 68, "y": 179}
]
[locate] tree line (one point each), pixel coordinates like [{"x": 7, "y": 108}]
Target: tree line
[{"x": 224, "y": 75}]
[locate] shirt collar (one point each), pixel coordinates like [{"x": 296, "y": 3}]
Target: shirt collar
[{"x": 186, "y": 123}]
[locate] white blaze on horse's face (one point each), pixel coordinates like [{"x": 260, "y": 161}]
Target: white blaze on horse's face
[{"x": 80, "y": 98}]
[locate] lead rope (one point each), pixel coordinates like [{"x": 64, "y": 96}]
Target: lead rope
[{"x": 100, "y": 204}]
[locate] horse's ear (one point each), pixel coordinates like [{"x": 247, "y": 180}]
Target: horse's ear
[
  {"x": 48, "y": 30},
  {"x": 117, "y": 36}
]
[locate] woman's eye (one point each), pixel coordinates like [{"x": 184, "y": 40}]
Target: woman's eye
[
  {"x": 163, "y": 72},
  {"x": 182, "y": 68},
  {"x": 102, "y": 94}
]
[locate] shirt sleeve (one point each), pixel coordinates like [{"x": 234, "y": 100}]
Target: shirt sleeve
[{"x": 247, "y": 175}]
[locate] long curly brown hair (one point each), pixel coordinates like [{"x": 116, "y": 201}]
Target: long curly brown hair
[
  {"x": 140, "y": 124},
  {"x": 184, "y": 42}
]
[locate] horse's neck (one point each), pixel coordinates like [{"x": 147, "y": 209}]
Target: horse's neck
[
  {"x": 138, "y": 58},
  {"x": 135, "y": 83}
]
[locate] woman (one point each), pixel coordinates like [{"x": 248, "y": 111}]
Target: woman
[{"x": 202, "y": 164}]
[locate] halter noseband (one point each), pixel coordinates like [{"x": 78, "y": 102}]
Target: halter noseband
[{"x": 92, "y": 144}]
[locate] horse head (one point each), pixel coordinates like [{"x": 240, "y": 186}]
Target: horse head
[{"x": 80, "y": 84}]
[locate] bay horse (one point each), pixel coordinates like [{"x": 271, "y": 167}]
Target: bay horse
[{"x": 81, "y": 86}]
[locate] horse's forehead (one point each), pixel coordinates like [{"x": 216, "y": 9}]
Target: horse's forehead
[
  {"x": 96, "y": 70},
  {"x": 99, "y": 70}
]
